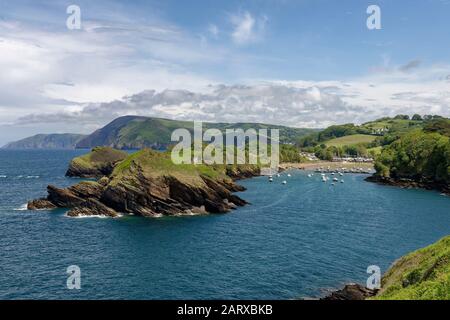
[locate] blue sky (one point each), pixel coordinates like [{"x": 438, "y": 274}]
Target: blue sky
[{"x": 318, "y": 55}]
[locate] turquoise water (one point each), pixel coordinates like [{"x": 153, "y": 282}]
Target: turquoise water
[{"x": 295, "y": 240}]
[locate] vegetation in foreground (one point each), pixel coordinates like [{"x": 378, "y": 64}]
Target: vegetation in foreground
[{"x": 421, "y": 275}]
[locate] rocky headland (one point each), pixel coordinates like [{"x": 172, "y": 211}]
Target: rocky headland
[
  {"x": 145, "y": 183},
  {"x": 407, "y": 183}
]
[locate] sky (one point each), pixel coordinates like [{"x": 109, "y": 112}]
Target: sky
[{"x": 302, "y": 63}]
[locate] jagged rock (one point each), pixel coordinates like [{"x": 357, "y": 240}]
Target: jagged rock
[
  {"x": 92, "y": 207},
  {"x": 74, "y": 195},
  {"x": 103, "y": 181},
  {"x": 63, "y": 198},
  {"x": 149, "y": 184},
  {"x": 410, "y": 183},
  {"x": 351, "y": 291},
  {"x": 40, "y": 204}
]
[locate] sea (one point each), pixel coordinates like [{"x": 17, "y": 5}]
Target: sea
[{"x": 298, "y": 240}]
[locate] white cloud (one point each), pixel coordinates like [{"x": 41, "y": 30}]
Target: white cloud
[
  {"x": 294, "y": 103},
  {"x": 213, "y": 30},
  {"x": 246, "y": 28}
]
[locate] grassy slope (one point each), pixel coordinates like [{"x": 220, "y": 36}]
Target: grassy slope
[
  {"x": 350, "y": 140},
  {"x": 156, "y": 164},
  {"x": 99, "y": 156},
  {"x": 422, "y": 274},
  {"x": 159, "y": 131}
]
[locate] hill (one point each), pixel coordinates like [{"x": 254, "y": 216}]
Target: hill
[
  {"x": 421, "y": 275},
  {"x": 134, "y": 132},
  {"x": 100, "y": 162},
  {"x": 47, "y": 141},
  {"x": 419, "y": 158},
  {"x": 369, "y": 138},
  {"x": 350, "y": 140}
]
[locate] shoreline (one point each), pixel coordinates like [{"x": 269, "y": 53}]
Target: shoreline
[
  {"x": 336, "y": 166},
  {"x": 410, "y": 184}
]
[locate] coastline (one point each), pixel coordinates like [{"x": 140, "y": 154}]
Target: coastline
[
  {"x": 410, "y": 184},
  {"x": 316, "y": 165}
]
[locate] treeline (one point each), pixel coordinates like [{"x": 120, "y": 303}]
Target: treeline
[
  {"x": 328, "y": 153},
  {"x": 329, "y": 133},
  {"x": 398, "y": 125},
  {"x": 421, "y": 155}
]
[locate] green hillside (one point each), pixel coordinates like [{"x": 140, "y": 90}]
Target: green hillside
[
  {"x": 421, "y": 275},
  {"x": 132, "y": 132},
  {"x": 368, "y": 139},
  {"x": 351, "y": 140},
  {"x": 47, "y": 141}
]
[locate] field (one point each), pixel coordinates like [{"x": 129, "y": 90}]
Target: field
[{"x": 350, "y": 140}]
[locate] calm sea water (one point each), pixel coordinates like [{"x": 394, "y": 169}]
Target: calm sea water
[{"x": 295, "y": 240}]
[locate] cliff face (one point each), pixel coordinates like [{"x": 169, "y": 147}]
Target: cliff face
[
  {"x": 147, "y": 183},
  {"x": 47, "y": 141}
]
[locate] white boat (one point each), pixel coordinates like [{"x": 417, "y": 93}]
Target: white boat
[
  {"x": 284, "y": 182},
  {"x": 289, "y": 175},
  {"x": 342, "y": 181},
  {"x": 270, "y": 180},
  {"x": 335, "y": 179}
]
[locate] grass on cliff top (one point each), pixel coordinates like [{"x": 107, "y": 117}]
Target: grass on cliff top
[
  {"x": 156, "y": 164},
  {"x": 421, "y": 275},
  {"x": 99, "y": 155}
]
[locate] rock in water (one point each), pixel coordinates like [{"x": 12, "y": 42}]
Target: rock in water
[
  {"x": 40, "y": 204},
  {"x": 351, "y": 291},
  {"x": 147, "y": 183},
  {"x": 92, "y": 207}
]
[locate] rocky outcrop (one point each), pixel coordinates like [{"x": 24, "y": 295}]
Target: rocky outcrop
[
  {"x": 98, "y": 163},
  {"x": 410, "y": 183},
  {"x": 92, "y": 207},
  {"x": 149, "y": 184},
  {"x": 351, "y": 291},
  {"x": 40, "y": 204}
]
